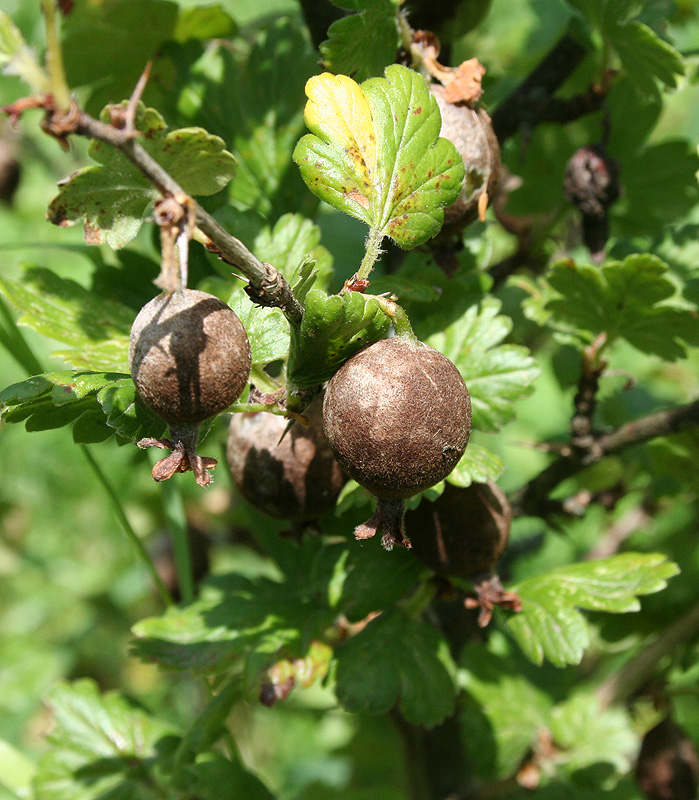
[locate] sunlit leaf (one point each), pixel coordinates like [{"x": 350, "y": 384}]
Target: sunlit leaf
[
  {"x": 550, "y": 624},
  {"x": 375, "y": 153}
]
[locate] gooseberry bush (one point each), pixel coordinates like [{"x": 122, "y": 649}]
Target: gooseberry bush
[{"x": 411, "y": 288}]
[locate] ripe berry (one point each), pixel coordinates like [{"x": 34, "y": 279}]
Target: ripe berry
[
  {"x": 464, "y": 531},
  {"x": 398, "y": 418},
  {"x": 290, "y": 474},
  {"x": 190, "y": 359},
  {"x": 462, "y": 534}
]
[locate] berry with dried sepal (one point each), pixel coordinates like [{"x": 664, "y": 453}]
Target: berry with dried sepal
[
  {"x": 398, "y": 419},
  {"x": 668, "y": 763},
  {"x": 190, "y": 359},
  {"x": 469, "y": 129},
  {"x": 591, "y": 184},
  {"x": 462, "y": 534},
  {"x": 285, "y": 470}
]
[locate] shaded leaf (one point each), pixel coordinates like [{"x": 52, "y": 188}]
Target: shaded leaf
[
  {"x": 333, "y": 329},
  {"x": 592, "y": 735},
  {"x": 95, "y": 38},
  {"x": 362, "y": 44},
  {"x": 101, "y": 745},
  {"x": 496, "y": 375},
  {"x": 646, "y": 57},
  {"x": 503, "y": 711},
  {"x": 400, "y": 661},
  {"x": 267, "y": 328},
  {"x": 625, "y": 300},
  {"x": 374, "y": 152},
  {"x": 129, "y": 417},
  {"x": 254, "y": 99},
  {"x": 97, "y": 329},
  {"x": 550, "y": 624},
  {"x": 217, "y": 778},
  {"x": 204, "y": 22},
  {"x": 112, "y": 198}
]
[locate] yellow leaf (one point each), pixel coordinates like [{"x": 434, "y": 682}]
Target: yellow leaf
[{"x": 338, "y": 111}]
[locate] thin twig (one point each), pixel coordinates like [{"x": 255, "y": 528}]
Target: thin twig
[
  {"x": 639, "y": 670},
  {"x": 532, "y": 101},
  {"x": 533, "y": 500},
  {"x": 267, "y": 285}
]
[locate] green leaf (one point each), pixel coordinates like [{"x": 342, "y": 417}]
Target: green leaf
[
  {"x": 646, "y": 57},
  {"x": 96, "y": 37},
  {"x": 400, "y": 661},
  {"x": 293, "y": 240},
  {"x": 112, "y": 198},
  {"x": 129, "y": 417},
  {"x": 100, "y": 745},
  {"x": 550, "y": 624},
  {"x": 97, "y": 329},
  {"x": 253, "y": 98},
  {"x": 97, "y": 404},
  {"x": 589, "y": 734},
  {"x": 624, "y": 300},
  {"x": 217, "y": 778},
  {"x": 333, "y": 329},
  {"x": 204, "y": 22},
  {"x": 503, "y": 712},
  {"x": 477, "y": 465},
  {"x": 17, "y": 770},
  {"x": 660, "y": 188},
  {"x": 362, "y": 44},
  {"x": 497, "y": 375},
  {"x": 236, "y": 621},
  {"x": 375, "y": 153},
  {"x": 267, "y": 329},
  {"x": 17, "y": 58}
]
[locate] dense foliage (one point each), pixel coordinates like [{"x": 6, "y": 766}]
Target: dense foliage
[{"x": 163, "y": 640}]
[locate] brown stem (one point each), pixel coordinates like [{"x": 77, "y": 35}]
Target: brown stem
[
  {"x": 532, "y": 101},
  {"x": 267, "y": 285},
  {"x": 417, "y": 769},
  {"x": 533, "y": 500},
  {"x": 640, "y": 669}
]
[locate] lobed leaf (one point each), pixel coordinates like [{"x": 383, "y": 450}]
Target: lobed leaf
[
  {"x": 477, "y": 465},
  {"x": 375, "y": 153},
  {"x": 291, "y": 241},
  {"x": 496, "y": 375},
  {"x": 253, "y": 98},
  {"x": 502, "y": 710},
  {"x": 100, "y": 745},
  {"x": 267, "y": 329},
  {"x": 365, "y": 43},
  {"x": 334, "y": 328},
  {"x": 400, "y": 661},
  {"x": 624, "y": 300},
  {"x": 97, "y": 404},
  {"x": 592, "y": 735},
  {"x": 97, "y": 329},
  {"x": 111, "y": 198},
  {"x": 550, "y": 624},
  {"x": 646, "y": 57}
]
